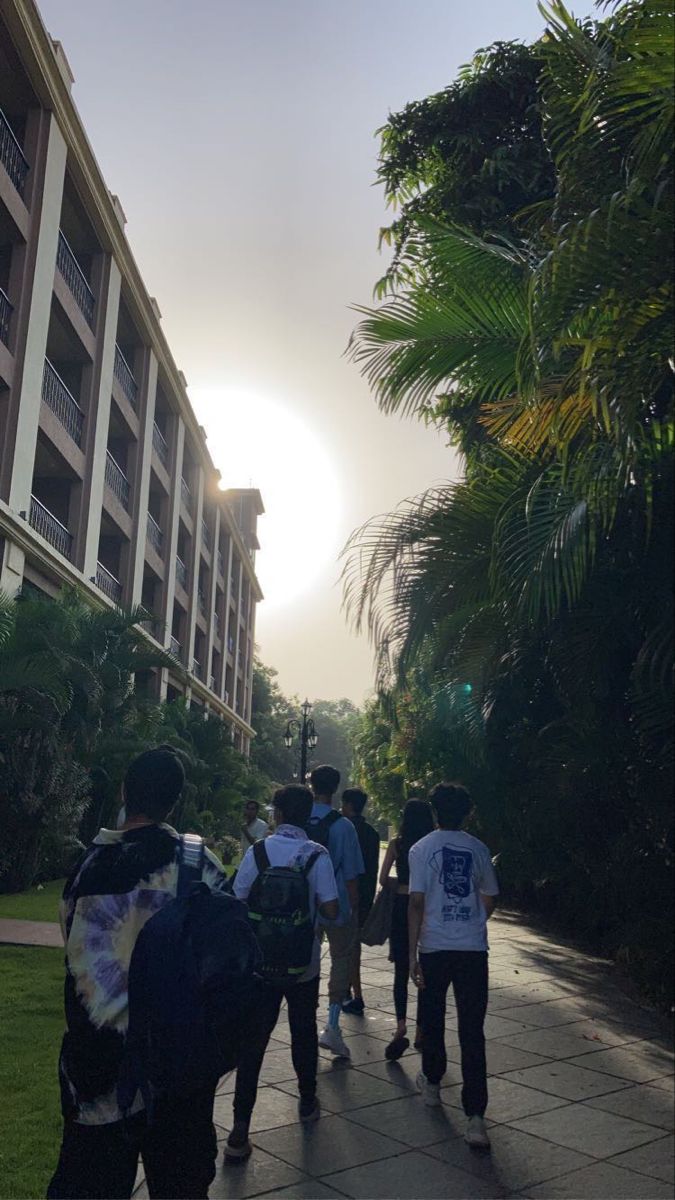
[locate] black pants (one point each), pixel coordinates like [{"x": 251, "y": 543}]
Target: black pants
[
  {"x": 467, "y": 971},
  {"x": 99, "y": 1162},
  {"x": 398, "y": 954},
  {"x": 302, "y": 1000}
]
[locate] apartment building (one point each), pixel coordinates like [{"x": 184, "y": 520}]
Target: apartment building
[{"x": 106, "y": 481}]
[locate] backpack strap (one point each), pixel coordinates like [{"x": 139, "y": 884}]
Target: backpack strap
[
  {"x": 190, "y": 862},
  {"x": 310, "y": 862},
  {"x": 261, "y": 857}
]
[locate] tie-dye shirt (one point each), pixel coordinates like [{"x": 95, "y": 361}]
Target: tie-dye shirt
[{"x": 123, "y": 879}]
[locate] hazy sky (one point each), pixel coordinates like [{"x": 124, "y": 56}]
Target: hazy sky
[{"x": 239, "y": 136}]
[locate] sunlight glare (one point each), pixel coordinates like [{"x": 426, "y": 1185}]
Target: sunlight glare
[{"x": 258, "y": 442}]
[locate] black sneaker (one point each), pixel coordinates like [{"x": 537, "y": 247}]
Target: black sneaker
[
  {"x": 309, "y": 1109},
  {"x": 355, "y": 1006},
  {"x": 237, "y": 1147},
  {"x": 396, "y": 1048}
]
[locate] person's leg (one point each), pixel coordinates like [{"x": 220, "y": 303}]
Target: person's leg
[
  {"x": 179, "y": 1147},
  {"x": 341, "y": 941},
  {"x": 401, "y": 970},
  {"x": 355, "y": 970},
  {"x": 267, "y": 1003},
  {"x": 97, "y": 1162},
  {"x": 436, "y": 972},
  {"x": 303, "y": 1001},
  {"x": 470, "y": 985}
]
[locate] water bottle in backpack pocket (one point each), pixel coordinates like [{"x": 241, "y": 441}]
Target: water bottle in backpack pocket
[{"x": 280, "y": 912}]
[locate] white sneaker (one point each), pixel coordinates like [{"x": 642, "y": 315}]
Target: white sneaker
[
  {"x": 430, "y": 1092},
  {"x": 332, "y": 1039},
  {"x": 476, "y": 1134}
]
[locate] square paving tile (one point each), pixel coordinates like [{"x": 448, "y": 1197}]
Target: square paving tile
[
  {"x": 408, "y": 1120},
  {"x": 508, "y": 1100},
  {"x": 411, "y": 1176},
  {"x": 565, "y": 1041},
  {"x": 641, "y": 1103},
  {"x": 362, "y": 1049},
  {"x": 588, "y": 1130},
  {"x": 273, "y": 1108},
  {"x": 667, "y": 1084},
  {"x": 326, "y": 1146},
  {"x": 517, "y": 1159},
  {"x": 404, "y": 1072},
  {"x": 345, "y": 1090},
  {"x": 495, "y": 1025},
  {"x": 567, "y": 1080},
  {"x": 502, "y": 1058},
  {"x": 311, "y": 1190},
  {"x": 638, "y": 1062},
  {"x": 259, "y": 1174},
  {"x": 550, "y": 1013},
  {"x": 656, "y": 1159},
  {"x": 603, "y": 1182}
]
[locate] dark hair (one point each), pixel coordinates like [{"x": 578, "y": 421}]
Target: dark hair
[
  {"x": 294, "y": 803},
  {"x": 153, "y": 783},
  {"x": 325, "y": 780},
  {"x": 451, "y": 803},
  {"x": 417, "y": 821},
  {"x": 254, "y": 803},
  {"x": 357, "y": 798}
]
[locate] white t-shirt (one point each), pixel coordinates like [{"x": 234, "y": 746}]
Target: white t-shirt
[
  {"x": 290, "y": 845},
  {"x": 257, "y": 830},
  {"x": 451, "y": 868}
]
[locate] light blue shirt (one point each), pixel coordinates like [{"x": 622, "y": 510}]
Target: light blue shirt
[{"x": 345, "y": 855}]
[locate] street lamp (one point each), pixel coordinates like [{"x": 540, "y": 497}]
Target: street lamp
[{"x": 307, "y": 734}]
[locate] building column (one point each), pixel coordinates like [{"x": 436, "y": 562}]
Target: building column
[
  {"x": 211, "y": 600},
  {"x": 171, "y": 532},
  {"x": 194, "y": 567},
  {"x": 143, "y": 464},
  {"x": 86, "y": 550}
]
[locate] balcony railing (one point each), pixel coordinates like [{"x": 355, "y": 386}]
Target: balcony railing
[
  {"x": 230, "y": 643},
  {"x": 197, "y": 668},
  {"x": 111, "y": 587},
  {"x": 216, "y": 622},
  {"x": 221, "y": 564},
  {"x": 185, "y": 493},
  {"x": 76, "y": 280},
  {"x": 201, "y": 601},
  {"x": 117, "y": 480},
  {"x": 12, "y": 156},
  {"x": 6, "y": 310},
  {"x": 155, "y": 535},
  {"x": 160, "y": 444},
  {"x": 212, "y": 682},
  {"x": 51, "y": 529},
  {"x": 205, "y": 533},
  {"x": 175, "y": 647},
  {"x": 62, "y": 403},
  {"x": 125, "y": 377},
  {"x": 181, "y": 574}
]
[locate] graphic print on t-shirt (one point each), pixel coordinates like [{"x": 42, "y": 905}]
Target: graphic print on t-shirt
[{"x": 455, "y": 870}]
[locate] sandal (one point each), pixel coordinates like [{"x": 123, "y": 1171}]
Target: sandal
[{"x": 396, "y": 1048}]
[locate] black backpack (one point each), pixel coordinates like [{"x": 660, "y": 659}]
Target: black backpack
[
  {"x": 191, "y": 988},
  {"x": 281, "y": 916},
  {"x": 318, "y": 828}
]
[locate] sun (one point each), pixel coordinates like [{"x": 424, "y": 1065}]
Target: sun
[{"x": 260, "y": 442}]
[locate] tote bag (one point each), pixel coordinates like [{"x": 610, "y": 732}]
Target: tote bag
[{"x": 377, "y": 925}]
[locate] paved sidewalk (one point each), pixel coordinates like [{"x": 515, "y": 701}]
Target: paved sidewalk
[
  {"x": 30, "y": 933},
  {"x": 581, "y": 1096}
]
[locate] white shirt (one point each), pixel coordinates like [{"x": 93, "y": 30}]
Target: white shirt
[
  {"x": 452, "y": 868},
  {"x": 290, "y": 846},
  {"x": 257, "y": 830}
]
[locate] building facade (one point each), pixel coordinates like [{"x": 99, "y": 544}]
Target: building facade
[{"x": 106, "y": 482}]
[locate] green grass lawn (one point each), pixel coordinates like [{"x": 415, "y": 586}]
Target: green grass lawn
[
  {"x": 31, "y": 1020},
  {"x": 33, "y": 905}
]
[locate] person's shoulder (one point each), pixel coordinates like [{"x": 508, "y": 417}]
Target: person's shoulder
[
  {"x": 311, "y": 849},
  {"x": 476, "y": 844}
]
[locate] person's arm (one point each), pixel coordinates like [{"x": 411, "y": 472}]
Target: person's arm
[
  {"x": 488, "y": 886},
  {"x": 323, "y": 877},
  {"x": 330, "y": 909},
  {"x": 489, "y": 904},
  {"x": 415, "y": 918},
  {"x": 245, "y": 876},
  {"x": 352, "y": 863},
  {"x": 388, "y": 863},
  {"x": 249, "y": 836}
]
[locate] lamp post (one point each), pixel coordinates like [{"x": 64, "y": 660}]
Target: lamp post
[{"x": 307, "y": 734}]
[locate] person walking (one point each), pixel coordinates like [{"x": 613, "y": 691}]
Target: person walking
[
  {"x": 327, "y": 827},
  {"x": 254, "y": 827},
  {"x": 416, "y": 823},
  {"x": 354, "y": 801},
  {"x": 288, "y": 847},
  {"x": 127, "y": 876},
  {"x": 453, "y": 887}
]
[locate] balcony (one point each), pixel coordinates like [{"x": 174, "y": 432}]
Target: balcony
[
  {"x": 230, "y": 644},
  {"x": 125, "y": 377},
  {"x": 111, "y": 587},
  {"x": 12, "y": 156},
  {"x": 155, "y": 535},
  {"x": 117, "y": 480},
  {"x": 160, "y": 445},
  {"x": 181, "y": 574},
  {"x": 6, "y": 310},
  {"x": 216, "y": 622},
  {"x": 221, "y": 564},
  {"x": 47, "y": 525},
  {"x": 201, "y": 601},
  {"x": 175, "y": 647},
  {"x": 197, "y": 668},
  {"x": 76, "y": 280},
  {"x": 205, "y": 534},
  {"x": 212, "y": 682},
  {"x": 62, "y": 403},
  {"x": 185, "y": 493}
]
